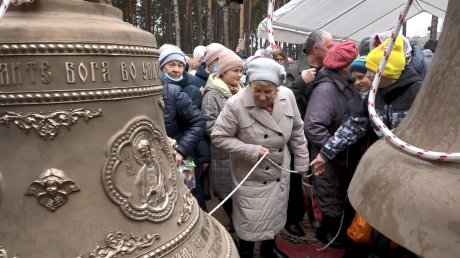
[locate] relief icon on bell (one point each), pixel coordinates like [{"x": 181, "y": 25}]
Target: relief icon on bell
[
  {"x": 139, "y": 174},
  {"x": 149, "y": 179},
  {"x": 52, "y": 188}
]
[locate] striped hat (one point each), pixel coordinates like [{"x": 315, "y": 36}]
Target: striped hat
[{"x": 358, "y": 65}]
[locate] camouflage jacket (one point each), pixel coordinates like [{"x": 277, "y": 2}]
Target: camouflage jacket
[{"x": 392, "y": 104}]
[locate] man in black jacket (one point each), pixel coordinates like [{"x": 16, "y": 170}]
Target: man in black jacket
[{"x": 300, "y": 79}]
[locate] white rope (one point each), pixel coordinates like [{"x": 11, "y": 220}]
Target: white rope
[
  {"x": 305, "y": 174},
  {"x": 336, "y": 235},
  {"x": 250, "y": 172},
  {"x": 238, "y": 186},
  {"x": 405, "y": 147},
  {"x": 316, "y": 219}
]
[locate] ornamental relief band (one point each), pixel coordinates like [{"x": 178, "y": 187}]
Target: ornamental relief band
[{"x": 28, "y": 73}]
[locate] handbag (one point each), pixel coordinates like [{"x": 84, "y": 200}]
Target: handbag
[{"x": 360, "y": 231}]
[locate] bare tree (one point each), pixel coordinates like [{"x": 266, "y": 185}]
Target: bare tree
[
  {"x": 176, "y": 22},
  {"x": 210, "y": 27},
  {"x": 187, "y": 22},
  {"x": 131, "y": 12},
  {"x": 434, "y": 28},
  {"x": 241, "y": 34},
  {"x": 226, "y": 36},
  {"x": 200, "y": 22},
  {"x": 188, "y": 40},
  {"x": 148, "y": 15}
]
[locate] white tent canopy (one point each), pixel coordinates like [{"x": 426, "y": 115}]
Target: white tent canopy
[{"x": 352, "y": 19}]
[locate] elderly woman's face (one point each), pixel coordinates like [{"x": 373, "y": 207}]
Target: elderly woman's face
[
  {"x": 263, "y": 93},
  {"x": 174, "y": 69}
]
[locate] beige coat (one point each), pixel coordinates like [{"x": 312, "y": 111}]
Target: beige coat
[{"x": 260, "y": 204}]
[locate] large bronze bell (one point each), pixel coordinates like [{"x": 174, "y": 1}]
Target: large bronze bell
[
  {"x": 415, "y": 202},
  {"x": 86, "y": 168}
]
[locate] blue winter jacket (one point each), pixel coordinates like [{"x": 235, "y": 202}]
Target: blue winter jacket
[
  {"x": 201, "y": 76},
  {"x": 203, "y": 153},
  {"x": 187, "y": 87},
  {"x": 183, "y": 120}
]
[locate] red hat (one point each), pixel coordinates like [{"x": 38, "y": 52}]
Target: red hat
[{"x": 341, "y": 55}]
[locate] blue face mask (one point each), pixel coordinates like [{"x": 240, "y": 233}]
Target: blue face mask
[
  {"x": 216, "y": 68},
  {"x": 172, "y": 79}
]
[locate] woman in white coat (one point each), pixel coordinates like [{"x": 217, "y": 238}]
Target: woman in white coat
[{"x": 262, "y": 118}]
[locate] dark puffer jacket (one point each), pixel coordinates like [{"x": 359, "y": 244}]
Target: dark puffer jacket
[
  {"x": 324, "y": 115},
  {"x": 183, "y": 120},
  {"x": 187, "y": 87},
  {"x": 392, "y": 105},
  {"x": 203, "y": 153},
  {"x": 201, "y": 76},
  {"x": 326, "y": 107}
]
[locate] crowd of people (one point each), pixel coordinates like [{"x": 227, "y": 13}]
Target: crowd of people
[{"x": 226, "y": 112}]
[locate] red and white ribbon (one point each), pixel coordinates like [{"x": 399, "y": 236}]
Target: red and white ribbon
[
  {"x": 406, "y": 147},
  {"x": 273, "y": 46},
  {"x": 6, "y": 3}
]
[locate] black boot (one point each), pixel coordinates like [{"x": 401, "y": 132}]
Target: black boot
[
  {"x": 268, "y": 249},
  {"x": 327, "y": 231},
  {"x": 294, "y": 229},
  {"x": 323, "y": 229},
  {"x": 246, "y": 249}
]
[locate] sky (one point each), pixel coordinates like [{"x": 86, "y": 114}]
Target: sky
[{"x": 418, "y": 25}]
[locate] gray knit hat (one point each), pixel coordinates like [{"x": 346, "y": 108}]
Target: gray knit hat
[
  {"x": 265, "y": 69},
  {"x": 171, "y": 54}
]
